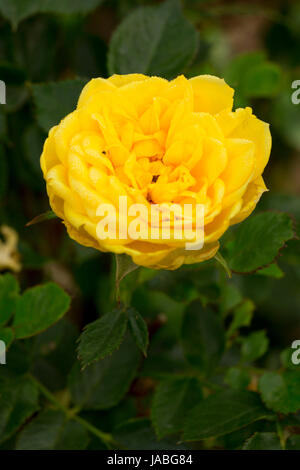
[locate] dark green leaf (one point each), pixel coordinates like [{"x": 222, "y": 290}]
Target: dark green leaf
[
  {"x": 262, "y": 80},
  {"x": 16, "y": 97},
  {"x": 102, "y": 337},
  {"x": 223, "y": 413},
  {"x": 54, "y": 101},
  {"x": 236, "y": 378},
  {"x": 173, "y": 399},
  {"x": 137, "y": 434},
  {"x": 241, "y": 63},
  {"x": 271, "y": 271},
  {"x": 230, "y": 297},
  {"x": 18, "y": 401},
  {"x": 284, "y": 203},
  {"x": 73, "y": 437},
  {"x": 38, "y": 308},
  {"x": 11, "y": 73},
  {"x": 51, "y": 431},
  {"x": 236, "y": 439},
  {"x": 139, "y": 329},
  {"x": 17, "y": 10},
  {"x": 258, "y": 240},
  {"x": 293, "y": 443},
  {"x": 290, "y": 357},
  {"x": 155, "y": 40},
  {"x": 280, "y": 392},
  {"x": 203, "y": 337},
  {"x": 42, "y": 432},
  {"x": 6, "y": 335},
  {"x": 242, "y": 316},
  {"x": 102, "y": 385},
  {"x": 263, "y": 441},
  {"x": 9, "y": 290},
  {"x": 32, "y": 142},
  {"x": 255, "y": 346},
  {"x": 253, "y": 76},
  {"x": 55, "y": 354},
  {"x": 286, "y": 117}
]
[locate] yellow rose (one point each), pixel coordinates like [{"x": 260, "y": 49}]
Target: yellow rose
[{"x": 156, "y": 142}]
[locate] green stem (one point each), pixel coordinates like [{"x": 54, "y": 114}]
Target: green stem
[
  {"x": 208, "y": 384},
  {"x": 72, "y": 414},
  {"x": 212, "y": 386},
  {"x": 280, "y": 434},
  {"x": 223, "y": 263},
  {"x": 103, "y": 436}
]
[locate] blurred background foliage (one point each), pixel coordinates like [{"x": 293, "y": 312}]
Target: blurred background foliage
[{"x": 212, "y": 339}]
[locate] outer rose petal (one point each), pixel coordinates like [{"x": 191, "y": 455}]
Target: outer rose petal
[
  {"x": 211, "y": 94},
  {"x": 250, "y": 199},
  {"x": 166, "y": 259},
  {"x": 92, "y": 87},
  {"x": 121, "y": 80},
  {"x": 241, "y": 163},
  {"x": 258, "y": 131},
  {"x": 243, "y": 124}
]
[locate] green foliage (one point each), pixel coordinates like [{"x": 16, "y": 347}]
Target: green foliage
[
  {"x": 18, "y": 10},
  {"x": 287, "y": 356},
  {"x": 53, "y": 101},
  {"x": 102, "y": 337},
  {"x": 172, "y": 39},
  {"x": 237, "y": 378},
  {"x": 286, "y": 118},
  {"x": 242, "y": 316},
  {"x": 137, "y": 434},
  {"x": 254, "y": 346},
  {"x": 51, "y": 431},
  {"x": 139, "y": 330},
  {"x": 38, "y": 308},
  {"x": 173, "y": 399},
  {"x": 203, "y": 337},
  {"x": 223, "y": 413},
  {"x": 230, "y": 297},
  {"x": 102, "y": 385},
  {"x": 293, "y": 443},
  {"x": 263, "y": 441},
  {"x": 272, "y": 270},
  {"x": 280, "y": 392},
  {"x": 258, "y": 240},
  {"x": 252, "y": 76},
  {"x": 167, "y": 359},
  {"x": 18, "y": 401},
  {"x": 9, "y": 290},
  {"x": 6, "y": 335}
]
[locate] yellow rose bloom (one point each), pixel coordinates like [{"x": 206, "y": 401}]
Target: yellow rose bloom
[{"x": 156, "y": 141}]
